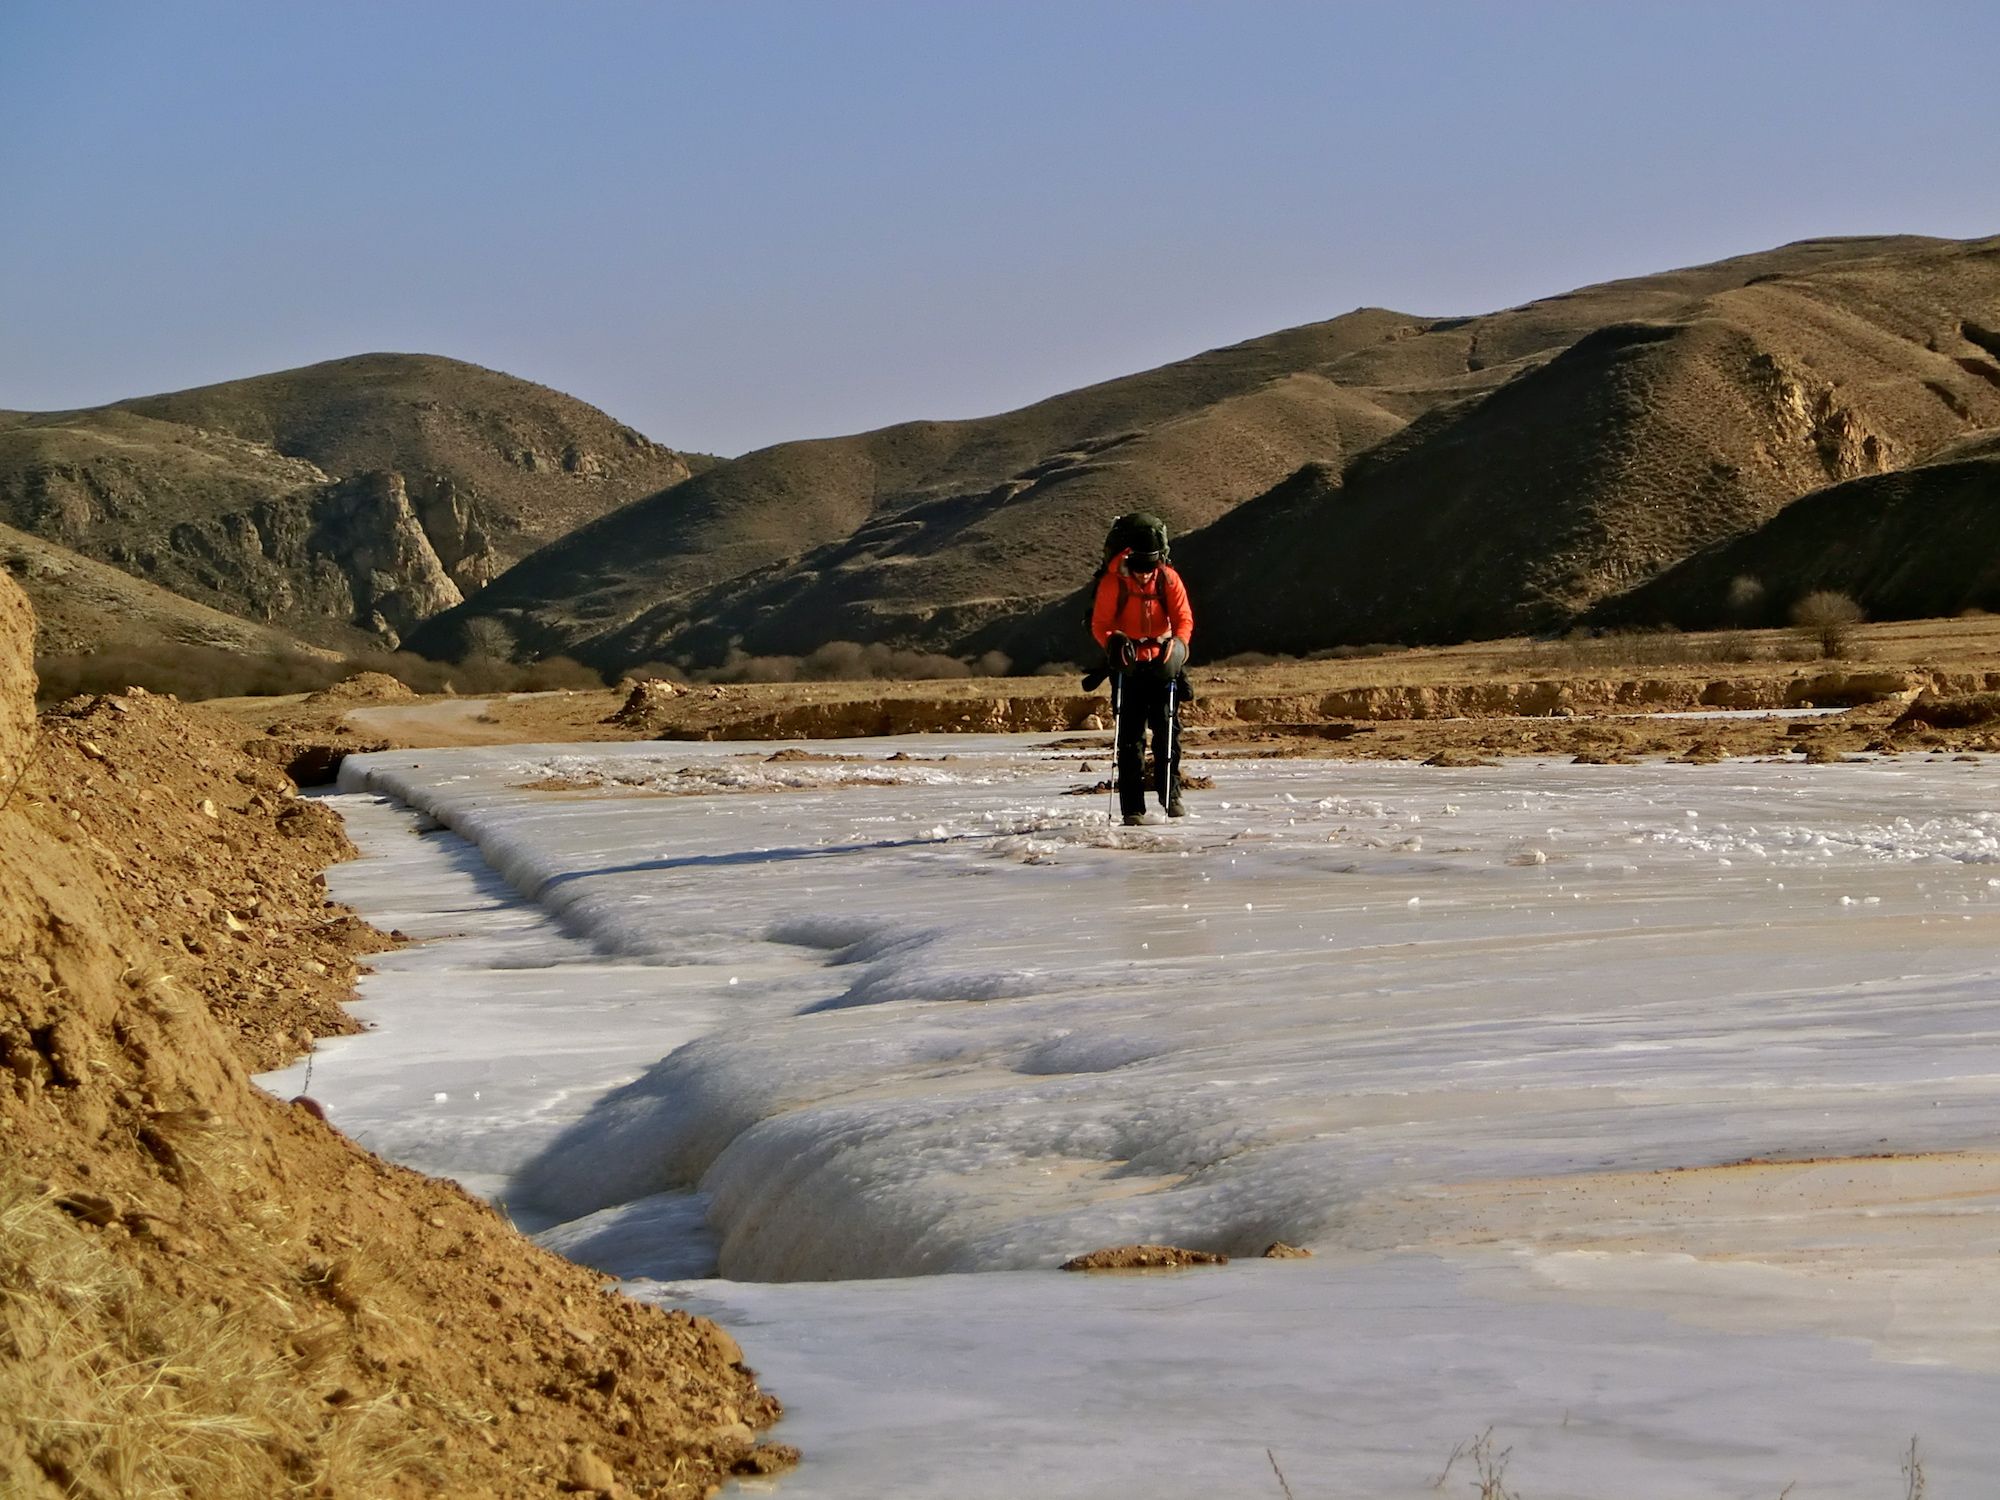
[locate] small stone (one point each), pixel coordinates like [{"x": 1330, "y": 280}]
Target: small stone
[{"x": 589, "y": 1472}]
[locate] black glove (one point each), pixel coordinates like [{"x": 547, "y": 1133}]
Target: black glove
[{"x": 1120, "y": 654}]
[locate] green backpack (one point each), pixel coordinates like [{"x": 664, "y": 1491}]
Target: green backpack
[{"x": 1140, "y": 531}]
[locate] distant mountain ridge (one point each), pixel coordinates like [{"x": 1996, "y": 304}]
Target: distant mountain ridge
[
  {"x": 1378, "y": 476},
  {"x": 345, "y": 502}
]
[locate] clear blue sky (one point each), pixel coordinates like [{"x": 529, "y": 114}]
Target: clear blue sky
[{"x": 735, "y": 223}]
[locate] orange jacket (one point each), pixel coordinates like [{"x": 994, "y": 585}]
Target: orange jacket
[{"x": 1145, "y": 611}]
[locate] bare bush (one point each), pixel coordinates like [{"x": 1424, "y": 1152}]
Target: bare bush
[
  {"x": 1827, "y": 619},
  {"x": 187, "y": 671},
  {"x": 1745, "y": 598},
  {"x": 656, "y": 671}
]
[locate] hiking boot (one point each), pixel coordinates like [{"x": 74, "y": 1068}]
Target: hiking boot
[
  {"x": 1134, "y": 820},
  {"x": 1175, "y": 807}
]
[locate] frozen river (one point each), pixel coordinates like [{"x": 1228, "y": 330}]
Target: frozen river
[{"x": 804, "y": 1042}]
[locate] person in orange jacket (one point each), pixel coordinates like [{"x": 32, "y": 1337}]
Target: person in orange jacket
[{"x": 1142, "y": 619}]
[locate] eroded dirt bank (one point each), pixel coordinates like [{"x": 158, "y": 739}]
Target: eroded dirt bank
[{"x": 205, "y": 1291}]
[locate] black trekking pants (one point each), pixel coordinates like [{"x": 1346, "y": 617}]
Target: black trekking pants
[{"x": 1142, "y": 705}]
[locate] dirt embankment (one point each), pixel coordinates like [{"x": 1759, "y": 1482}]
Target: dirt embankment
[
  {"x": 1600, "y": 699},
  {"x": 205, "y": 1291}
]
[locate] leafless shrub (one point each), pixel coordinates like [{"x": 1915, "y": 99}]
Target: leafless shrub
[
  {"x": 1913, "y": 1473},
  {"x": 485, "y": 636},
  {"x": 1827, "y": 619},
  {"x": 1745, "y": 598}
]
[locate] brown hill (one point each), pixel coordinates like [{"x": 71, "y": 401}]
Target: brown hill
[
  {"x": 1921, "y": 541},
  {"x": 1584, "y": 441},
  {"x": 1587, "y": 475},
  {"x": 345, "y": 502}
]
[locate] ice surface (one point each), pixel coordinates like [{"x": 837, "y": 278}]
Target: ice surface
[
  {"x": 1011, "y": 1032},
  {"x": 1360, "y": 1379},
  {"x": 948, "y": 1019}
]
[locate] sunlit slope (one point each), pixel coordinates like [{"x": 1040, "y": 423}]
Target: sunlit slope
[
  {"x": 972, "y": 510},
  {"x": 347, "y": 501},
  {"x": 965, "y": 536},
  {"x": 1642, "y": 443},
  {"x": 535, "y": 462},
  {"x": 1922, "y": 541}
]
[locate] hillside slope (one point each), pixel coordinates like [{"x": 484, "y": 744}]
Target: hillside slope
[
  {"x": 1923, "y": 540},
  {"x": 968, "y": 536},
  {"x": 345, "y": 502},
  {"x": 87, "y": 606},
  {"x": 1642, "y": 443}
]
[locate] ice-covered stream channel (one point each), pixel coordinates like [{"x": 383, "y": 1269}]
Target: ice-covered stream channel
[{"x": 849, "y": 1029}]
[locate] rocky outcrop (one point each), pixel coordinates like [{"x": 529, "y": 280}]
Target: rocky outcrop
[
  {"x": 367, "y": 528},
  {"x": 352, "y": 552},
  {"x": 1810, "y": 417},
  {"x": 453, "y": 519}
]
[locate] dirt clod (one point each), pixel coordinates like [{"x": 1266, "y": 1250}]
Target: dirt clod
[{"x": 1143, "y": 1258}]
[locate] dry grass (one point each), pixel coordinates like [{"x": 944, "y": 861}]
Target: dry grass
[{"x": 120, "y": 1387}]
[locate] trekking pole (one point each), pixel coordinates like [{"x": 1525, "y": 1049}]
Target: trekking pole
[
  {"x": 1117, "y": 680},
  {"x": 1165, "y": 774}
]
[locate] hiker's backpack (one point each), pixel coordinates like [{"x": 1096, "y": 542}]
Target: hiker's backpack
[{"x": 1138, "y": 530}]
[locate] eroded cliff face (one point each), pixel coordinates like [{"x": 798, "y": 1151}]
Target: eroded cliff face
[
  {"x": 271, "y": 539},
  {"x": 1811, "y": 422},
  {"x": 348, "y": 553},
  {"x": 368, "y": 529},
  {"x": 454, "y": 521}
]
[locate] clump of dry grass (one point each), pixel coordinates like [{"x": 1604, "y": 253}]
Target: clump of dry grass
[
  {"x": 119, "y": 1387},
  {"x": 1489, "y": 1465}
]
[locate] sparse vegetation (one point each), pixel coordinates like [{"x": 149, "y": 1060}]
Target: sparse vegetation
[
  {"x": 1827, "y": 619},
  {"x": 849, "y": 661},
  {"x": 1610, "y": 650},
  {"x": 193, "y": 672}
]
